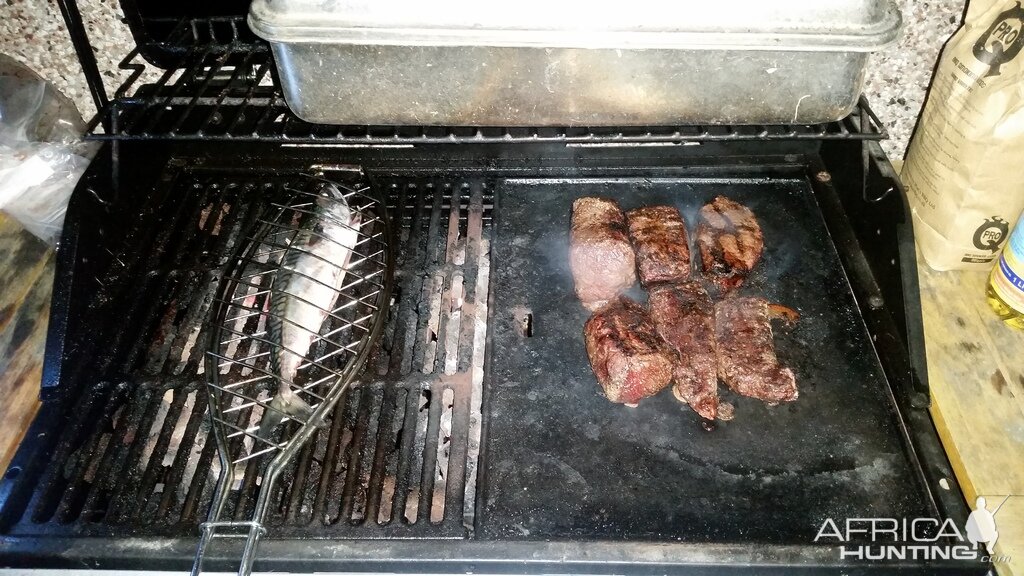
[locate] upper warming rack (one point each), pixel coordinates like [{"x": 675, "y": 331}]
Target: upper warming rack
[{"x": 223, "y": 86}]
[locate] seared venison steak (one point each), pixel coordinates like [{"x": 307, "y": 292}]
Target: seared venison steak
[
  {"x": 684, "y": 316},
  {"x": 730, "y": 242},
  {"x": 746, "y": 351},
  {"x": 628, "y": 357},
  {"x": 600, "y": 255},
  {"x": 662, "y": 246}
]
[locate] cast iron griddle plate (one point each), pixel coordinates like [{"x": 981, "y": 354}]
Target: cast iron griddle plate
[{"x": 563, "y": 462}]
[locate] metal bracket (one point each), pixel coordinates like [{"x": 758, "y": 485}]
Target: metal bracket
[{"x": 80, "y": 40}]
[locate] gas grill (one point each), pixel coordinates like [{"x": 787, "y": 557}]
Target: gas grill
[{"x": 474, "y": 439}]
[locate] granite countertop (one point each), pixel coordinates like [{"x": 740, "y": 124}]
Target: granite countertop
[{"x": 33, "y": 32}]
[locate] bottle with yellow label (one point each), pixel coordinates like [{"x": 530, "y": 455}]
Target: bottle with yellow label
[{"x": 1006, "y": 284}]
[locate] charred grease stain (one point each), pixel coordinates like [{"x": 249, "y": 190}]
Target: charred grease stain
[
  {"x": 969, "y": 347},
  {"x": 5, "y": 315},
  {"x": 30, "y": 251},
  {"x": 999, "y": 382},
  {"x": 960, "y": 322},
  {"x": 24, "y": 327},
  {"x": 27, "y": 377}
]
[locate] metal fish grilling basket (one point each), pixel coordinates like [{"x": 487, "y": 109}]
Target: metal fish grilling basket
[{"x": 294, "y": 319}]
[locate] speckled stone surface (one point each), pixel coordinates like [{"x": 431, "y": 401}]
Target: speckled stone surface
[
  {"x": 898, "y": 77},
  {"x": 33, "y": 32}
]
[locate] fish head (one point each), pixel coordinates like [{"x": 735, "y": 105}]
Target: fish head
[
  {"x": 329, "y": 195},
  {"x": 332, "y": 202}
]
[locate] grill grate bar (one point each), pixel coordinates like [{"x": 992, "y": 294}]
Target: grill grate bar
[
  {"x": 476, "y": 388},
  {"x": 474, "y": 234},
  {"x": 178, "y": 244},
  {"x": 425, "y": 496},
  {"x": 81, "y": 461},
  {"x": 49, "y": 495},
  {"x": 202, "y": 478},
  {"x": 120, "y": 509},
  {"x": 181, "y": 475},
  {"x": 331, "y": 455},
  {"x": 96, "y": 501},
  {"x": 291, "y": 499},
  {"x": 412, "y": 462},
  {"x": 355, "y": 454},
  {"x": 377, "y": 479}
]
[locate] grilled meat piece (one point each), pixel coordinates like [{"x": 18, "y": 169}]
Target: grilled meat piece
[
  {"x": 630, "y": 360},
  {"x": 730, "y": 242},
  {"x": 746, "y": 352},
  {"x": 601, "y": 258},
  {"x": 662, "y": 248},
  {"x": 684, "y": 316}
]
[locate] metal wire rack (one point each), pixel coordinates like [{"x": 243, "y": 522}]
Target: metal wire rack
[
  {"x": 224, "y": 87},
  {"x": 315, "y": 273}
]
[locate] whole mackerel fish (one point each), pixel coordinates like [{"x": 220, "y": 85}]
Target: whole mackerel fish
[{"x": 303, "y": 294}]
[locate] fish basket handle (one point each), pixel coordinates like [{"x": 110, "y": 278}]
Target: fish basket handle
[{"x": 252, "y": 531}]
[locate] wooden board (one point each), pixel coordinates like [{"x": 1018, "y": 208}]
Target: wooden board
[
  {"x": 976, "y": 371},
  {"x": 26, "y": 279}
]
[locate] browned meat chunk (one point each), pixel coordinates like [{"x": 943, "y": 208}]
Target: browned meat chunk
[
  {"x": 685, "y": 317},
  {"x": 730, "y": 242},
  {"x": 662, "y": 248},
  {"x": 630, "y": 360},
  {"x": 746, "y": 351},
  {"x": 601, "y": 258}
]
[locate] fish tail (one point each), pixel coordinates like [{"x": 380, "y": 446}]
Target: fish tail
[
  {"x": 299, "y": 409},
  {"x": 271, "y": 420},
  {"x": 284, "y": 404}
]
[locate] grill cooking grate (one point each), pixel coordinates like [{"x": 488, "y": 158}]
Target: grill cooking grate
[
  {"x": 135, "y": 455},
  {"x": 224, "y": 87}
]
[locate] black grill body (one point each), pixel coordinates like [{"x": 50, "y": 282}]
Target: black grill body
[
  {"x": 475, "y": 440},
  {"x": 470, "y": 443}
]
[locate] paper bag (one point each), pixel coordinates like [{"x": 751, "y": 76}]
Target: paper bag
[{"x": 964, "y": 169}]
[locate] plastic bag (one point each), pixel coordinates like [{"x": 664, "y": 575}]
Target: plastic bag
[{"x": 42, "y": 155}]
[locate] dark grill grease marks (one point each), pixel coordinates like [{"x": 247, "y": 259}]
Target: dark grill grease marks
[{"x": 133, "y": 452}]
